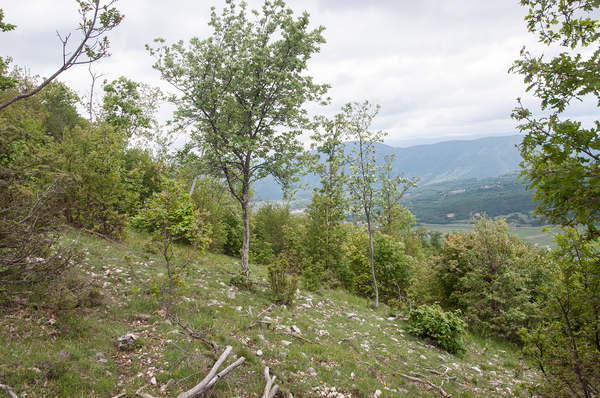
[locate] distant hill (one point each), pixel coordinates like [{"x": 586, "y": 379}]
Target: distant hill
[
  {"x": 452, "y": 201},
  {"x": 434, "y": 163}
]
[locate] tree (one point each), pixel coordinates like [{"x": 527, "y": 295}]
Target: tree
[
  {"x": 243, "y": 89},
  {"x": 560, "y": 156},
  {"x": 329, "y": 203},
  {"x": 491, "y": 276},
  {"x": 96, "y": 21},
  {"x": 363, "y": 168},
  {"x": 566, "y": 345}
]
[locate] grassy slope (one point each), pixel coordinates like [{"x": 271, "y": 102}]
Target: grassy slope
[{"x": 357, "y": 350}]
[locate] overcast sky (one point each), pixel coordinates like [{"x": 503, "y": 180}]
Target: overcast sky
[{"x": 439, "y": 69}]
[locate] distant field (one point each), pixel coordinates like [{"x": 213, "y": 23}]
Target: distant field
[{"x": 533, "y": 235}]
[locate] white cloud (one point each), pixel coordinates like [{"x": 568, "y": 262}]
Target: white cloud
[{"x": 438, "y": 69}]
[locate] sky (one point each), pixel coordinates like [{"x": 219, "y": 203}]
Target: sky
[{"x": 439, "y": 69}]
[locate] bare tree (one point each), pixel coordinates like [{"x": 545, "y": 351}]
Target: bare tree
[{"x": 96, "y": 20}]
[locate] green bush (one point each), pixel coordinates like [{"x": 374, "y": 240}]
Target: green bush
[
  {"x": 446, "y": 329},
  {"x": 282, "y": 282}
]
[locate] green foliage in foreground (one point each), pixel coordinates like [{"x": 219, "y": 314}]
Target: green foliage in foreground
[
  {"x": 492, "y": 277},
  {"x": 566, "y": 345},
  {"x": 446, "y": 329},
  {"x": 52, "y": 352}
]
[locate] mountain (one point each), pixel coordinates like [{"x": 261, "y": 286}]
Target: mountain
[{"x": 434, "y": 163}]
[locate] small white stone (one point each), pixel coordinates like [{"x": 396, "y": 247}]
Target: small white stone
[
  {"x": 377, "y": 393},
  {"x": 153, "y": 381},
  {"x": 259, "y": 353},
  {"x": 285, "y": 342}
]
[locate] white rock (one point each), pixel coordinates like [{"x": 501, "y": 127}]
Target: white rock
[
  {"x": 259, "y": 353},
  {"x": 377, "y": 393},
  {"x": 153, "y": 381},
  {"x": 352, "y": 375},
  {"x": 285, "y": 342},
  {"x": 231, "y": 295}
]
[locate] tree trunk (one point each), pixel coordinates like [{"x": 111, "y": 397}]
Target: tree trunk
[
  {"x": 372, "y": 260},
  {"x": 246, "y": 228}
]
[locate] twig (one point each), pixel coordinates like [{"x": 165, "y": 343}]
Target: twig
[
  {"x": 303, "y": 339},
  {"x": 8, "y": 391},
  {"x": 193, "y": 333},
  {"x": 416, "y": 379},
  {"x": 270, "y": 390}
]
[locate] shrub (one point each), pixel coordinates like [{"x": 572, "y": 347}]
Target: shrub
[
  {"x": 282, "y": 282},
  {"x": 445, "y": 329}
]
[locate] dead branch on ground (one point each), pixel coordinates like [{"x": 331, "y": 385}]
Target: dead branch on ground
[
  {"x": 270, "y": 389},
  {"x": 212, "y": 378},
  {"x": 8, "y": 391},
  {"x": 417, "y": 380}
]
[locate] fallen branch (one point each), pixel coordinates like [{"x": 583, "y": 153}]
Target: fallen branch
[
  {"x": 270, "y": 389},
  {"x": 142, "y": 394},
  {"x": 194, "y": 334},
  {"x": 416, "y": 379},
  {"x": 212, "y": 378},
  {"x": 8, "y": 390},
  {"x": 303, "y": 339}
]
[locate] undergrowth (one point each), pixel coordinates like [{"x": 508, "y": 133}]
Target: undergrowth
[{"x": 341, "y": 343}]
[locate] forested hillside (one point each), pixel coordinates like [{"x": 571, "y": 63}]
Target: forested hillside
[{"x": 458, "y": 200}]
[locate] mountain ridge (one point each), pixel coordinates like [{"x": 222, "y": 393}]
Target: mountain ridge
[{"x": 432, "y": 163}]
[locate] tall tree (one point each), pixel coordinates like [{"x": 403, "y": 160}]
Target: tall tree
[
  {"x": 561, "y": 157},
  {"x": 363, "y": 168},
  {"x": 562, "y": 162},
  {"x": 96, "y": 20},
  {"x": 243, "y": 89},
  {"x": 329, "y": 201}
]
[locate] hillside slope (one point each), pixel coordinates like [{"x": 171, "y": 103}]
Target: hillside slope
[{"x": 330, "y": 344}]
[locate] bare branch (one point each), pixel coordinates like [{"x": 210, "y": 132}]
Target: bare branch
[{"x": 103, "y": 20}]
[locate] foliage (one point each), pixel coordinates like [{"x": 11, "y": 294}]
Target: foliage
[
  {"x": 31, "y": 257},
  {"x": 446, "y": 329},
  {"x": 243, "y": 89},
  {"x": 267, "y": 227},
  {"x": 98, "y": 197},
  {"x": 363, "y": 168},
  {"x": 560, "y": 155},
  {"x": 170, "y": 216},
  {"x": 283, "y": 283},
  {"x": 492, "y": 276},
  {"x": 130, "y": 106},
  {"x": 393, "y": 268},
  {"x": 566, "y": 345},
  {"x": 394, "y": 219},
  {"x": 170, "y": 213}
]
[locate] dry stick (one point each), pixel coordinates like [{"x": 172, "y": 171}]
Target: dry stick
[
  {"x": 270, "y": 390},
  {"x": 416, "y": 379},
  {"x": 194, "y": 334},
  {"x": 212, "y": 378},
  {"x": 8, "y": 390},
  {"x": 143, "y": 394},
  {"x": 303, "y": 339}
]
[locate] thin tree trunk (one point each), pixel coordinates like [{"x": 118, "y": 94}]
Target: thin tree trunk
[
  {"x": 193, "y": 185},
  {"x": 246, "y": 241},
  {"x": 372, "y": 260}
]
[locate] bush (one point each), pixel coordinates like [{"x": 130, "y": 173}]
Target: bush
[
  {"x": 445, "y": 329},
  {"x": 282, "y": 282}
]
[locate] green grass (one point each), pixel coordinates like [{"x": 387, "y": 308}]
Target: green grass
[{"x": 348, "y": 345}]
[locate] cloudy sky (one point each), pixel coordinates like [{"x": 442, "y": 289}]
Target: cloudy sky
[{"x": 439, "y": 69}]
